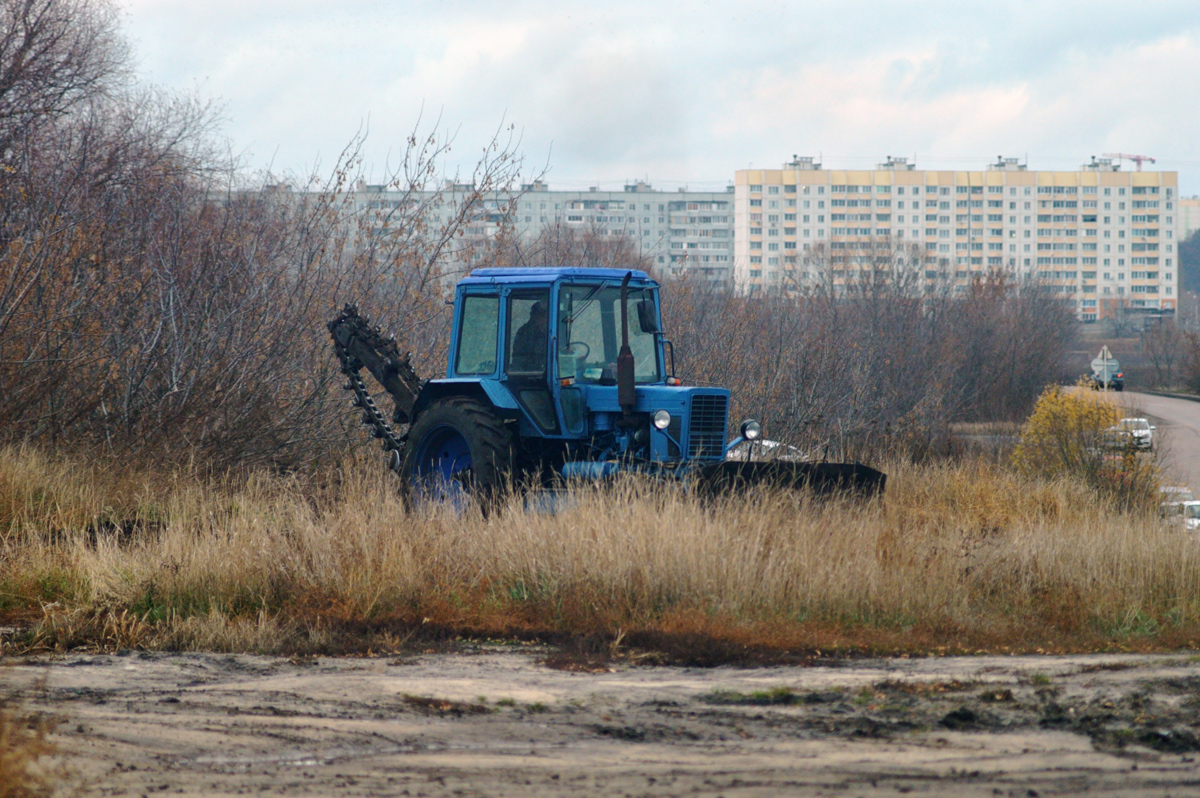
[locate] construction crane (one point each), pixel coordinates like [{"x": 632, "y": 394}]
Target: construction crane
[{"x": 1135, "y": 158}]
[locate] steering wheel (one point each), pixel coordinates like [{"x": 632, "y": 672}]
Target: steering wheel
[{"x": 588, "y": 349}]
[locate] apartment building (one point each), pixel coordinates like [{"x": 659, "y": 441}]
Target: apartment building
[
  {"x": 678, "y": 231},
  {"x": 1102, "y": 238},
  {"x": 1189, "y": 213}
]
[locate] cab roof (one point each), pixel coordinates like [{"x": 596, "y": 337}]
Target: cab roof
[{"x": 545, "y": 274}]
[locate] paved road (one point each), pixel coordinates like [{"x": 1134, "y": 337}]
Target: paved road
[{"x": 1178, "y": 422}]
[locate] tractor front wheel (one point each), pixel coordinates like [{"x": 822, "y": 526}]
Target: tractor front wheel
[{"x": 458, "y": 448}]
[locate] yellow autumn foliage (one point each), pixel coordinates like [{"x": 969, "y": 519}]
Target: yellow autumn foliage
[
  {"x": 1068, "y": 434},
  {"x": 1063, "y": 426}
]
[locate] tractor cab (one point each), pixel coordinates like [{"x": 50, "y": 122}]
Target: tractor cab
[{"x": 544, "y": 346}]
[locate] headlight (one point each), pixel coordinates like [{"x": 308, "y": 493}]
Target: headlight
[
  {"x": 662, "y": 419},
  {"x": 751, "y": 430}
]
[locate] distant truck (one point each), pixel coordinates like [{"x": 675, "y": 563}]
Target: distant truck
[
  {"x": 1115, "y": 382},
  {"x": 1106, "y": 372}
]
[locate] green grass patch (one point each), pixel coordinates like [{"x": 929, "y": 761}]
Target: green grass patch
[{"x": 772, "y": 697}]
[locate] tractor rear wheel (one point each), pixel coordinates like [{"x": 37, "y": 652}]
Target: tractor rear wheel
[{"x": 458, "y": 448}]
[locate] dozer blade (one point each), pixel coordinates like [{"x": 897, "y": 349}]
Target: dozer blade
[{"x": 825, "y": 479}]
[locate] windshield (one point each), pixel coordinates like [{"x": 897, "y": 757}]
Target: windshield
[
  {"x": 589, "y": 334},
  {"x": 1192, "y": 511},
  {"x": 1135, "y": 424}
]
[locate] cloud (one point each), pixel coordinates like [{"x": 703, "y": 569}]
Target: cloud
[
  {"x": 905, "y": 102},
  {"x": 688, "y": 92}
]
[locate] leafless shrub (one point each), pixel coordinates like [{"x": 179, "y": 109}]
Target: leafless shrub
[
  {"x": 1164, "y": 345},
  {"x": 561, "y": 244},
  {"x": 886, "y": 360},
  {"x": 153, "y": 303},
  {"x": 1190, "y": 360}
]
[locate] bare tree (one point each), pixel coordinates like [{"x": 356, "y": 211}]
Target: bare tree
[
  {"x": 152, "y": 302},
  {"x": 54, "y": 56},
  {"x": 564, "y": 244},
  {"x": 1121, "y": 322},
  {"x": 1163, "y": 344},
  {"x": 871, "y": 346}
]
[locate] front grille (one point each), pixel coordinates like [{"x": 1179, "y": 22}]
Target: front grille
[{"x": 706, "y": 428}]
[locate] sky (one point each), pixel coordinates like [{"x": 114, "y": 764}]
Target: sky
[{"x": 686, "y": 93}]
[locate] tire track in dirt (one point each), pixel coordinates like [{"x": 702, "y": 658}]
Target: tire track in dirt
[{"x": 493, "y": 720}]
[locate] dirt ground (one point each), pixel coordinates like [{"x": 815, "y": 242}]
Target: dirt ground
[{"x": 495, "y": 720}]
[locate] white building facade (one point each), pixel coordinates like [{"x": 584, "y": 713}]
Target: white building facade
[
  {"x": 678, "y": 231},
  {"x": 1102, "y": 238}
]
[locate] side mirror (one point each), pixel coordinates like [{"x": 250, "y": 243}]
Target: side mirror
[{"x": 646, "y": 316}]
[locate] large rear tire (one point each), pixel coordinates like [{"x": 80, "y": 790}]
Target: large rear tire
[{"x": 458, "y": 449}]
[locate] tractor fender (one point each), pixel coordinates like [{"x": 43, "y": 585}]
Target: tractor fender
[{"x": 488, "y": 392}]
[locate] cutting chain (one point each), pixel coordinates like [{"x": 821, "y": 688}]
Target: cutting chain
[{"x": 359, "y": 345}]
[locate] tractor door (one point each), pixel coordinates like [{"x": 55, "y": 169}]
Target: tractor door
[
  {"x": 527, "y": 355},
  {"x": 475, "y": 339}
]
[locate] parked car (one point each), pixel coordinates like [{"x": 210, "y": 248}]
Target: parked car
[
  {"x": 1190, "y": 513},
  {"x": 1137, "y": 433},
  {"x": 1115, "y": 383},
  {"x": 1171, "y": 499}
]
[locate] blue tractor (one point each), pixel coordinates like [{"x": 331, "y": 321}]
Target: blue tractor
[{"x": 557, "y": 374}]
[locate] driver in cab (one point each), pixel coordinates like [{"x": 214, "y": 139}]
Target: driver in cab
[{"x": 529, "y": 344}]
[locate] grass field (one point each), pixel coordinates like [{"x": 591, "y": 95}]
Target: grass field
[{"x": 956, "y": 557}]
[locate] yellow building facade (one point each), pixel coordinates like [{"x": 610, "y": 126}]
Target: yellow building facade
[{"x": 1102, "y": 238}]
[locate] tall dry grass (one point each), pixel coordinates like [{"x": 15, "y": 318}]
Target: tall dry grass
[
  {"x": 24, "y": 772},
  {"x": 956, "y": 556}
]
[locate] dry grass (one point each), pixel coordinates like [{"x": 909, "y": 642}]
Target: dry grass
[
  {"x": 23, "y": 746},
  {"x": 956, "y": 557}
]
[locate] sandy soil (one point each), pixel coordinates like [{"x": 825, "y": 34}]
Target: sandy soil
[{"x": 495, "y": 721}]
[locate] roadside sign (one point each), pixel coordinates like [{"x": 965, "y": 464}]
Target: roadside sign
[{"x": 1105, "y": 366}]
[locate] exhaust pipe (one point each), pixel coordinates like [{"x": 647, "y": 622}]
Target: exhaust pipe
[{"x": 626, "y": 395}]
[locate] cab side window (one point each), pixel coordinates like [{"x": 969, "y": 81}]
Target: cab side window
[{"x": 478, "y": 335}]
